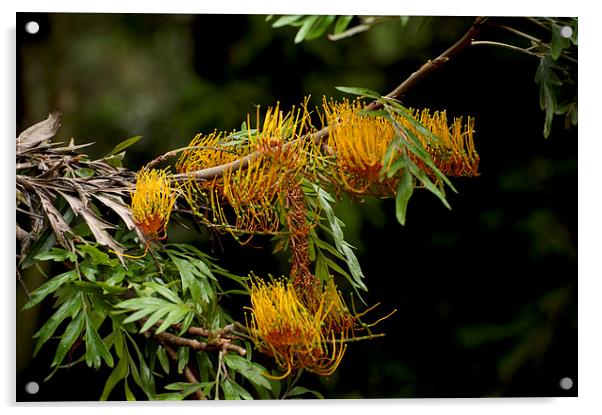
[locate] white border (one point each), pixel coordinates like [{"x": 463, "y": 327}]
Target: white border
[{"x": 590, "y": 347}]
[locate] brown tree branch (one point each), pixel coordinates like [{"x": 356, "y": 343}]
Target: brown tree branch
[
  {"x": 401, "y": 90},
  {"x": 190, "y": 377}
]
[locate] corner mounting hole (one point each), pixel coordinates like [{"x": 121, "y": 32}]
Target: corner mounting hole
[
  {"x": 566, "y": 383},
  {"x": 566, "y": 32},
  {"x": 32, "y": 27},
  {"x": 32, "y": 388}
]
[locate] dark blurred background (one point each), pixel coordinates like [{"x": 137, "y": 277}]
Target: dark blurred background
[{"x": 486, "y": 294}]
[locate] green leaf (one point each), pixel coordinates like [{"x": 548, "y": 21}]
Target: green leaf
[
  {"x": 300, "y": 390},
  {"x": 124, "y": 144},
  {"x": 308, "y": 22},
  {"x": 183, "y": 353},
  {"x": 558, "y": 42},
  {"x": 163, "y": 359},
  {"x": 165, "y": 292},
  {"x": 71, "y": 334},
  {"x": 341, "y": 24},
  {"x": 95, "y": 347},
  {"x": 404, "y": 20},
  {"x": 402, "y": 197},
  {"x": 319, "y": 27},
  {"x": 96, "y": 255},
  {"x": 128, "y": 393},
  {"x": 115, "y": 160},
  {"x": 84, "y": 172},
  {"x": 68, "y": 309},
  {"x": 247, "y": 369},
  {"x": 49, "y": 287},
  {"x": 430, "y": 186},
  {"x": 286, "y": 20},
  {"x": 365, "y": 92},
  {"x": 190, "y": 283},
  {"x": 242, "y": 392},
  {"x": 121, "y": 371},
  {"x": 57, "y": 255},
  {"x": 229, "y": 391}
]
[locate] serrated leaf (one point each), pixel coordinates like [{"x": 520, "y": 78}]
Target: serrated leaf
[
  {"x": 49, "y": 287},
  {"x": 68, "y": 309},
  {"x": 300, "y": 390},
  {"x": 341, "y": 24},
  {"x": 247, "y": 369},
  {"x": 365, "y": 92},
  {"x": 124, "y": 144},
  {"x": 402, "y": 197},
  {"x": 71, "y": 334}
]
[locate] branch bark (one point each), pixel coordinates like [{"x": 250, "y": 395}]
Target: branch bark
[{"x": 401, "y": 90}]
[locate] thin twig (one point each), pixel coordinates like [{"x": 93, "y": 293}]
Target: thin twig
[
  {"x": 190, "y": 377},
  {"x": 402, "y": 89},
  {"x": 23, "y": 285},
  {"x": 431, "y": 65},
  {"x": 504, "y": 45}
]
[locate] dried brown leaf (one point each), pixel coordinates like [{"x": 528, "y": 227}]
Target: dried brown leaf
[
  {"x": 39, "y": 132},
  {"x": 58, "y": 223},
  {"x": 97, "y": 226}
]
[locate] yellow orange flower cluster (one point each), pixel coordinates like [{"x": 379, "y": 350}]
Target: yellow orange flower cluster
[
  {"x": 454, "y": 152},
  {"x": 152, "y": 202},
  {"x": 360, "y": 141},
  {"x": 298, "y": 336},
  {"x": 246, "y": 200}
]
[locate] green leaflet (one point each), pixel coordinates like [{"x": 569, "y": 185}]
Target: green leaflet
[
  {"x": 124, "y": 144},
  {"x": 404, "y": 192},
  {"x": 71, "y": 334},
  {"x": 49, "y": 287},
  {"x": 121, "y": 371},
  {"x": 247, "y": 369},
  {"x": 300, "y": 390},
  {"x": 68, "y": 309},
  {"x": 364, "y": 92}
]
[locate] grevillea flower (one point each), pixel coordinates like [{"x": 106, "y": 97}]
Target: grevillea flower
[
  {"x": 206, "y": 151},
  {"x": 360, "y": 143},
  {"x": 454, "y": 151},
  {"x": 253, "y": 193},
  {"x": 152, "y": 202},
  {"x": 283, "y": 327}
]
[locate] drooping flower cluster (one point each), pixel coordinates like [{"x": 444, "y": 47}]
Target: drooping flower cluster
[
  {"x": 247, "y": 200},
  {"x": 152, "y": 202},
  {"x": 453, "y": 151},
  {"x": 297, "y": 336},
  {"x": 361, "y": 143}
]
